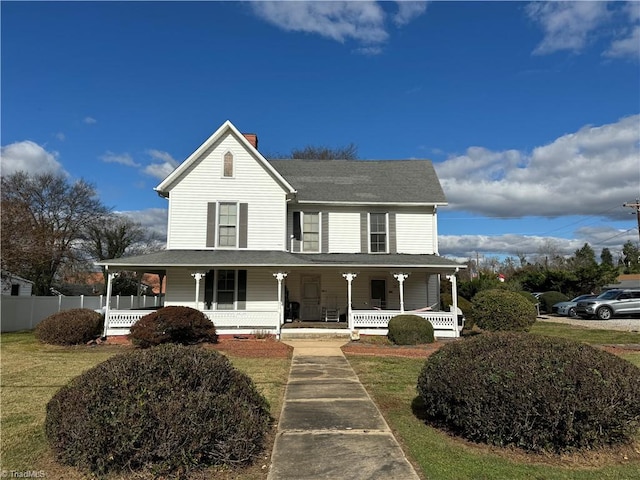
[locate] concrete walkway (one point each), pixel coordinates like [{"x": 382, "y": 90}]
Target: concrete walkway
[{"x": 329, "y": 426}]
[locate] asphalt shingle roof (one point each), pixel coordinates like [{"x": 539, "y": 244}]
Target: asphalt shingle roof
[
  {"x": 279, "y": 259},
  {"x": 363, "y": 181}
]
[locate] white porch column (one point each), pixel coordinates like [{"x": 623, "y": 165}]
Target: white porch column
[
  {"x": 401, "y": 277},
  {"x": 349, "y": 277},
  {"x": 454, "y": 300},
  {"x": 107, "y": 308},
  {"x": 280, "y": 276},
  {"x": 198, "y": 276}
]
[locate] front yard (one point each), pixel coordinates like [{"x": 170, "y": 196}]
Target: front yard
[{"x": 32, "y": 373}]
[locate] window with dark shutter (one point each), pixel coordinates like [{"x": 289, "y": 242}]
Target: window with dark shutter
[{"x": 297, "y": 228}]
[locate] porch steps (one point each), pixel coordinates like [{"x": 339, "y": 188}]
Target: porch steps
[{"x": 302, "y": 333}]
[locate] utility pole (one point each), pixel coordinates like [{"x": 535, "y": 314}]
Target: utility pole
[{"x": 637, "y": 207}]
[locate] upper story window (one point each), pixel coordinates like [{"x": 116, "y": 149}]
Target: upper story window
[
  {"x": 310, "y": 231},
  {"x": 227, "y": 225},
  {"x": 378, "y": 232},
  {"x": 227, "y": 169}
]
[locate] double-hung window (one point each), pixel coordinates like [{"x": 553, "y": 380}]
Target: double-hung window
[
  {"x": 227, "y": 225},
  {"x": 378, "y": 232},
  {"x": 311, "y": 232}
]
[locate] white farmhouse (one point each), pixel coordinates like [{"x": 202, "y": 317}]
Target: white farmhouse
[{"x": 255, "y": 243}]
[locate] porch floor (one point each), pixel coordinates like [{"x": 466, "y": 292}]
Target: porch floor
[{"x": 317, "y": 324}]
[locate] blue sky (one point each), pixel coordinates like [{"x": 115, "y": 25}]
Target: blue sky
[{"x": 529, "y": 111}]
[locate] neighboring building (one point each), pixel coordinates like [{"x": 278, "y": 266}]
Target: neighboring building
[
  {"x": 254, "y": 243},
  {"x": 629, "y": 280},
  {"x": 15, "y": 285}
]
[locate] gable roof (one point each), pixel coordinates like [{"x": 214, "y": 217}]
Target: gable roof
[
  {"x": 165, "y": 186},
  {"x": 363, "y": 181}
]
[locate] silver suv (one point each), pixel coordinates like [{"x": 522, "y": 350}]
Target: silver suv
[{"x": 610, "y": 303}]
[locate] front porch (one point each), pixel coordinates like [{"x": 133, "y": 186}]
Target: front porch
[
  {"x": 246, "y": 293},
  {"x": 365, "y": 322}
]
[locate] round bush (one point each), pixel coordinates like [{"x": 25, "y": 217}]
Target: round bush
[
  {"x": 549, "y": 299},
  {"x": 446, "y": 299},
  {"x": 498, "y": 310},
  {"x": 410, "y": 330},
  {"x": 533, "y": 392},
  {"x": 182, "y": 325},
  {"x": 70, "y": 327},
  {"x": 167, "y": 409}
]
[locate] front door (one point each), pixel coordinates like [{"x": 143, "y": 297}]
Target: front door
[
  {"x": 310, "y": 298},
  {"x": 378, "y": 293}
]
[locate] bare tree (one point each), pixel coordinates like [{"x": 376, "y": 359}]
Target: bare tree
[
  {"x": 44, "y": 218},
  {"x": 116, "y": 236},
  {"x": 348, "y": 152}
]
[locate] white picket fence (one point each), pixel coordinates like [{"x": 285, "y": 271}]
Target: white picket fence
[{"x": 24, "y": 313}]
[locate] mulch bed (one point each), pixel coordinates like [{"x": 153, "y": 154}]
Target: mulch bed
[
  {"x": 244, "y": 346},
  {"x": 413, "y": 351}
]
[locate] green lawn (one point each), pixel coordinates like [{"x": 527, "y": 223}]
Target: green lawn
[
  {"x": 392, "y": 384},
  {"x": 32, "y": 372}
]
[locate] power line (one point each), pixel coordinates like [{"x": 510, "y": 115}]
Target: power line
[{"x": 637, "y": 207}]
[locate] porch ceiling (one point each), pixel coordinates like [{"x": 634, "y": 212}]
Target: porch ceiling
[{"x": 277, "y": 259}]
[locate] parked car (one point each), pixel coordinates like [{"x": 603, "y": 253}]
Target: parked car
[
  {"x": 610, "y": 303},
  {"x": 568, "y": 308}
]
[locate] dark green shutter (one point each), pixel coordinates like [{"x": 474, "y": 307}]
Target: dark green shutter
[
  {"x": 325, "y": 232},
  {"x": 364, "y": 233},
  {"x": 393, "y": 244},
  {"x": 242, "y": 290},
  {"x": 208, "y": 289},
  {"x": 211, "y": 224},
  {"x": 243, "y": 225}
]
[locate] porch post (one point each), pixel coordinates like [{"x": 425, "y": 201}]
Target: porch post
[
  {"x": 160, "y": 297},
  {"x": 401, "y": 277},
  {"x": 280, "y": 276},
  {"x": 349, "y": 277},
  {"x": 138, "y": 287},
  {"x": 454, "y": 300},
  {"x": 110, "y": 278},
  {"x": 198, "y": 276}
]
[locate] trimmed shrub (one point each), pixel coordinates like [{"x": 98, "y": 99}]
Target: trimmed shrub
[
  {"x": 166, "y": 409},
  {"x": 70, "y": 327},
  {"x": 446, "y": 299},
  {"x": 410, "y": 330},
  {"x": 533, "y": 392},
  {"x": 529, "y": 296},
  {"x": 549, "y": 299},
  {"x": 182, "y": 325},
  {"x": 498, "y": 310}
]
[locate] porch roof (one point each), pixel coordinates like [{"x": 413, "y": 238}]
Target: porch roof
[{"x": 277, "y": 259}]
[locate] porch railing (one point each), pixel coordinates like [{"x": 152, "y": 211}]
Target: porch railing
[
  {"x": 373, "y": 322},
  {"x": 445, "y": 324},
  {"x": 226, "y": 321}
]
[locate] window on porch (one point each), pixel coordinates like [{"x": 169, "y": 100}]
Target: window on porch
[{"x": 231, "y": 289}]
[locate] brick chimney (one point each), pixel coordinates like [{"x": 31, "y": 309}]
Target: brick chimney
[{"x": 253, "y": 139}]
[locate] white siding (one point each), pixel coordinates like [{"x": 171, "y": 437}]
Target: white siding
[
  {"x": 203, "y": 183},
  {"x": 344, "y": 232},
  {"x": 262, "y": 289},
  {"x": 414, "y": 233}
]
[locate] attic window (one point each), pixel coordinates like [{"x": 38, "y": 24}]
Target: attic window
[{"x": 227, "y": 170}]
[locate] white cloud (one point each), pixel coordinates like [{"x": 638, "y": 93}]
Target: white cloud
[
  {"x": 165, "y": 167},
  {"x": 628, "y": 46},
  {"x": 566, "y": 25},
  {"x": 29, "y": 157},
  {"x": 592, "y": 171},
  {"x": 121, "y": 158},
  {"x": 468, "y": 246},
  {"x": 407, "y": 11},
  {"x": 361, "y": 21},
  {"x": 89, "y": 120},
  {"x": 153, "y": 219}
]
